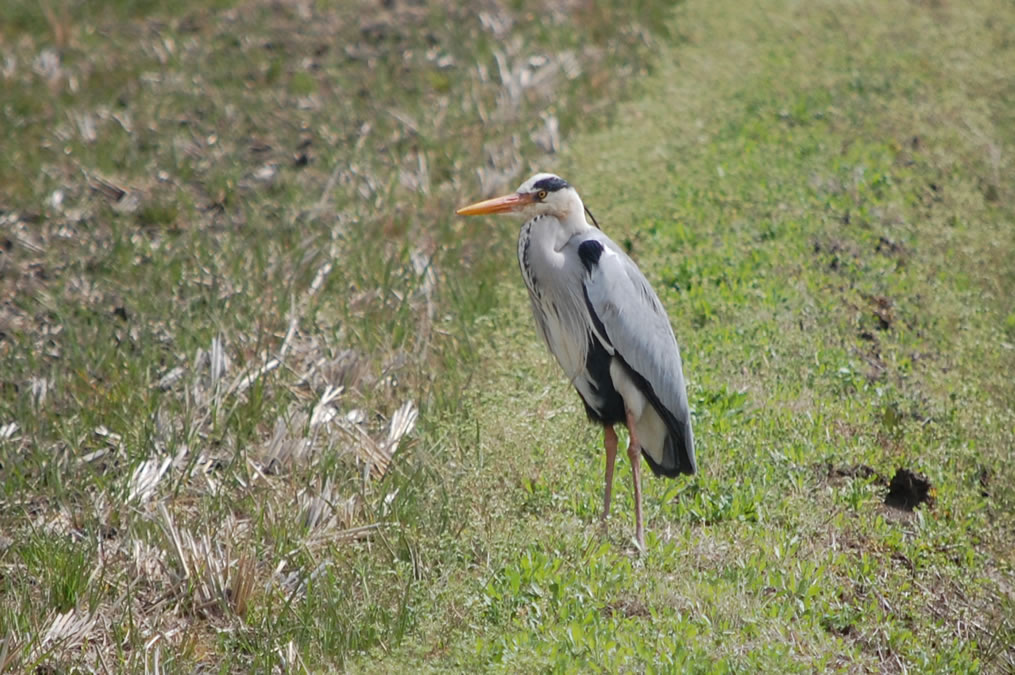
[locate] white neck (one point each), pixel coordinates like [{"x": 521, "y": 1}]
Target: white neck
[{"x": 571, "y": 218}]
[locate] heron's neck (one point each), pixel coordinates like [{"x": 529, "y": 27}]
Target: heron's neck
[{"x": 572, "y": 222}]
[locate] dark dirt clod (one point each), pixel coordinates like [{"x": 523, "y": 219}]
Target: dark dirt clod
[
  {"x": 907, "y": 490},
  {"x": 883, "y": 310},
  {"x": 887, "y": 246}
]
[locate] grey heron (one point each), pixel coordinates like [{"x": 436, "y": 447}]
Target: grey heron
[{"x": 605, "y": 325}]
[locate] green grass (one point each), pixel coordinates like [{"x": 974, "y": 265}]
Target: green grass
[{"x": 817, "y": 192}]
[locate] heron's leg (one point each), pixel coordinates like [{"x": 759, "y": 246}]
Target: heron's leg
[
  {"x": 634, "y": 454},
  {"x": 610, "y": 441}
]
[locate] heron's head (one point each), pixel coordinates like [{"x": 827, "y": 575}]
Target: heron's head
[{"x": 543, "y": 194}]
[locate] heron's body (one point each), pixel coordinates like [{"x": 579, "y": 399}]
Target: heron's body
[
  {"x": 606, "y": 327},
  {"x": 610, "y": 334}
]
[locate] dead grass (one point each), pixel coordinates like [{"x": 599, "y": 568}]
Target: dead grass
[{"x": 229, "y": 285}]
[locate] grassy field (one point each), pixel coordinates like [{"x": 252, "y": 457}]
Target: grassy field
[{"x": 231, "y": 287}]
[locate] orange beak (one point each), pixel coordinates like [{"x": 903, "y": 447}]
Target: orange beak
[{"x": 504, "y": 204}]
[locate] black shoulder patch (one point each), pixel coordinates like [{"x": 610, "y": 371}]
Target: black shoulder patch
[
  {"x": 551, "y": 184},
  {"x": 589, "y": 251}
]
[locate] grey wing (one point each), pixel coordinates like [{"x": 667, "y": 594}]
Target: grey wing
[{"x": 637, "y": 328}]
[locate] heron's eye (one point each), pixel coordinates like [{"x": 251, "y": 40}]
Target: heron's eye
[{"x": 541, "y": 195}]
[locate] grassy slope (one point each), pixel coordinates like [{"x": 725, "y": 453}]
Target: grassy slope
[{"x": 816, "y": 189}]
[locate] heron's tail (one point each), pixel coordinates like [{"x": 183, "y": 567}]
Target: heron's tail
[{"x": 676, "y": 454}]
